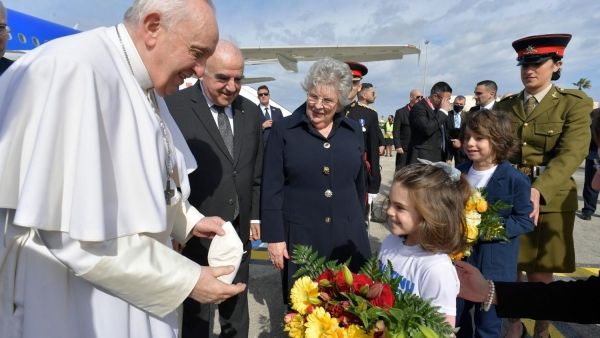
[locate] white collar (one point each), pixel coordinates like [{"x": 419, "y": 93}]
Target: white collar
[
  {"x": 132, "y": 58},
  {"x": 263, "y": 107},
  {"x": 490, "y": 105},
  {"x": 539, "y": 96}
]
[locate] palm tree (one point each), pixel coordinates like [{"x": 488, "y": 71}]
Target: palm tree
[{"x": 583, "y": 83}]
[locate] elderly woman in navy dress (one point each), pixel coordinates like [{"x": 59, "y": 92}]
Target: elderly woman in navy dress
[{"x": 313, "y": 189}]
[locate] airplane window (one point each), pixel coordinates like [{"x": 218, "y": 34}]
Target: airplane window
[
  {"x": 35, "y": 41},
  {"x": 22, "y": 38}
]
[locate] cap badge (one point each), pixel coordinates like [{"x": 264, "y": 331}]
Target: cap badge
[{"x": 529, "y": 50}]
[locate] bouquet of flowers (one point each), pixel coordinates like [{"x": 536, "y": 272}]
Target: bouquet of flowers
[
  {"x": 482, "y": 220},
  {"x": 331, "y": 301}
]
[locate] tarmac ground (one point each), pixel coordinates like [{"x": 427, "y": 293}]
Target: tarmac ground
[{"x": 265, "y": 297}]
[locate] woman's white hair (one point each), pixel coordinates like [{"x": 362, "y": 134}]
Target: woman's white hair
[
  {"x": 172, "y": 11},
  {"x": 332, "y": 73}
]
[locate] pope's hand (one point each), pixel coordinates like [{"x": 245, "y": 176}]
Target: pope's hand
[
  {"x": 208, "y": 227},
  {"x": 209, "y": 289}
]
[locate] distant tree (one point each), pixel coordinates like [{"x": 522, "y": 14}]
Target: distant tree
[{"x": 583, "y": 83}]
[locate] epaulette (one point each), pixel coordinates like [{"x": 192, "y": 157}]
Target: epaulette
[
  {"x": 368, "y": 107},
  {"x": 575, "y": 92},
  {"x": 509, "y": 97}
]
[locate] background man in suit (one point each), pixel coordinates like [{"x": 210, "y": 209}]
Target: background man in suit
[
  {"x": 427, "y": 125},
  {"x": 269, "y": 113},
  {"x": 4, "y": 31},
  {"x": 402, "y": 128},
  {"x": 485, "y": 95},
  {"x": 590, "y": 196},
  {"x": 223, "y": 131},
  {"x": 455, "y": 118},
  {"x": 367, "y": 117}
]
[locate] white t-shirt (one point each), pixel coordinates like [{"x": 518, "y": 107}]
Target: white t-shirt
[
  {"x": 424, "y": 274},
  {"x": 480, "y": 179}
]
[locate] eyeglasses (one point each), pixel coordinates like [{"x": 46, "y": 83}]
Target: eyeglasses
[
  {"x": 263, "y": 94},
  {"x": 4, "y": 30},
  {"x": 326, "y": 101}
]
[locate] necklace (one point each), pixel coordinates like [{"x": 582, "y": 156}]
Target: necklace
[{"x": 169, "y": 193}]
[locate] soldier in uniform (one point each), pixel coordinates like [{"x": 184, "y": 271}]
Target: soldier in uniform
[
  {"x": 553, "y": 125},
  {"x": 367, "y": 117}
]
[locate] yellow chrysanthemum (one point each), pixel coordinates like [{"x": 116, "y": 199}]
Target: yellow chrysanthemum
[
  {"x": 303, "y": 289},
  {"x": 482, "y": 206},
  {"x": 470, "y": 205},
  {"x": 354, "y": 331},
  {"x": 295, "y": 328},
  {"x": 473, "y": 219},
  {"x": 320, "y": 324}
]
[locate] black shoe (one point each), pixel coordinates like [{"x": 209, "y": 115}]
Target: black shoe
[{"x": 586, "y": 216}]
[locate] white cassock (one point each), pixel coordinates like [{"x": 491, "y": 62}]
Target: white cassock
[{"x": 86, "y": 247}]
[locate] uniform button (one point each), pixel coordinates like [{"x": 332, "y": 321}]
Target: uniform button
[
  {"x": 550, "y": 132},
  {"x": 235, "y": 174},
  {"x": 326, "y": 145},
  {"x": 525, "y": 124},
  {"x": 326, "y": 170},
  {"x": 328, "y": 193},
  {"x": 327, "y": 219},
  {"x": 524, "y": 143},
  {"x": 524, "y": 162},
  {"x": 230, "y": 201}
]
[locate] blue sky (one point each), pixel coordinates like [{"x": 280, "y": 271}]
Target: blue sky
[{"x": 470, "y": 39}]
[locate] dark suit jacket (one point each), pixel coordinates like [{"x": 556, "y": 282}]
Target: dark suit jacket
[
  {"x": 458, "y": 154},
  {"x": 425, "y": 133},
  {"x": 497, "y": 260},
  {"x": 218, "y": 177},
  {"x": 402, "y": 128},
  {"x": 275, "y": 113},
  {"x": 575, "y": 302},
  {"x": 4, "y": 64},
  {"x": 371, "y": 134}
]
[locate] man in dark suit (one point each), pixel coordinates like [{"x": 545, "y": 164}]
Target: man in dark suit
[
  {"x": 402, "y": 129},
  {"x": 4, "y": 31},
  {"x": 367, "y": 117},
  {"x": 427, "y": 125},
  {"x": 590, "y": 196},
  {"x": 453, "y": 124},
  {"x": 485, "y": 95},
  {"x": 269, "y": 114},
  {"x": 223, "y": 131}
]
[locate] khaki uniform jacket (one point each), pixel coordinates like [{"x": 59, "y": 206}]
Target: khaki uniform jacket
[{"x": 556, "y": 135}]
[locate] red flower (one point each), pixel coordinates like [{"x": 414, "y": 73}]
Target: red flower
[
  {"x": 360, "y": 280},
  {"x": 385, "y": 299},
  {"x": 326, "y": 275}
]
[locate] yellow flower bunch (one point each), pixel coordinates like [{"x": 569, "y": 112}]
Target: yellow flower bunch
[
  {"x": 304, "y": 289},
  {"x": 483, "y": 220}
]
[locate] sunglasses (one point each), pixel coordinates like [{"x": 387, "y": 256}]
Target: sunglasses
[
  {"x": 263, "y": 94},
  {"x": 419, "y": 97}
]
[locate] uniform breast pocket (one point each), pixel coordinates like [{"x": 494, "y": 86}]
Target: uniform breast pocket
[{"x": 546, "y": 134}]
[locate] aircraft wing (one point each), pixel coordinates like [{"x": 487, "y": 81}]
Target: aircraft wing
[{"x": 288, "y": 57}]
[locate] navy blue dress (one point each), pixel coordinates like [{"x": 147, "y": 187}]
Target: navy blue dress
[{"x": 313, "y": 191}]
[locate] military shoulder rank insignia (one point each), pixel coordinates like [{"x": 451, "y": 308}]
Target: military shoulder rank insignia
[{"x": 365, "y": 106}]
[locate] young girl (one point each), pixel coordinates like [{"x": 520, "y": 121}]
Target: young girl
[
  {"x": 425, "y": 215},
  {"x": 488, "y": 142}
]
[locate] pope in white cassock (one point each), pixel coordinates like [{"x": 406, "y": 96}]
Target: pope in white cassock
[{"x": 90, "y": 163}]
